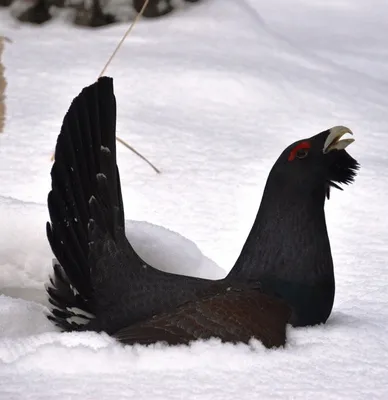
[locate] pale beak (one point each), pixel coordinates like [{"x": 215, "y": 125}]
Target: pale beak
[{"x": 333, "y": 141}]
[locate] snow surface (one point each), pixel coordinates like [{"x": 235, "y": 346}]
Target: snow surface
[{"x": 211, "y": 94}]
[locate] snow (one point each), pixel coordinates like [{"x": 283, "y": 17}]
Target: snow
[
  {"x": 167, "y": 250},
  {"x": 211, "y": 95}
]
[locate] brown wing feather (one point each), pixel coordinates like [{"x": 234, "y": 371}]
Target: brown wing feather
[{"x": 233, "y": 316}]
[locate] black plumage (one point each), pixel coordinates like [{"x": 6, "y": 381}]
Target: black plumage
[{"x": 284, "y": 272}]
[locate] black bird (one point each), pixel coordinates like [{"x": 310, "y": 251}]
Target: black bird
[{"x": 283, "y": 274}]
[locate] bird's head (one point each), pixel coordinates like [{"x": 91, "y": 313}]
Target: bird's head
[{"x": 317, "y": 163}]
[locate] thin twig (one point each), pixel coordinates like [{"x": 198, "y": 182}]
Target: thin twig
[
  {"x": 128, "y": 31},
  {"x": 138, "y": 154},
  {"x": 124, "y": 37}
]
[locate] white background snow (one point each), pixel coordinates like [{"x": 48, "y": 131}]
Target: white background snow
[{"x": 212, "y": 95}]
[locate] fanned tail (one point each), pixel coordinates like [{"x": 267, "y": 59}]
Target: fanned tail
[
  {"x": 88, "y": 132},
  {"x": 99, "y": 282}
]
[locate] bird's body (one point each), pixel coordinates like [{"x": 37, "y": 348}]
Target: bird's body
[{"x": 284, "y": 272}]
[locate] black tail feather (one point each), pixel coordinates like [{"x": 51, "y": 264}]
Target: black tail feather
[
  {"x": 87, "y": 136},
  {"x": 69, "y": 310},
  {"x": 102, "y": 274}
]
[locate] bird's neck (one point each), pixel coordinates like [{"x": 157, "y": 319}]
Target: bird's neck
[{"x": 288, "y": 248}]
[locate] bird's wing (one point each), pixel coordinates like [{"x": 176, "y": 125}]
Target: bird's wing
[
  {"x": 232, "y": 315},
  {"x": 99, "y": 280}
]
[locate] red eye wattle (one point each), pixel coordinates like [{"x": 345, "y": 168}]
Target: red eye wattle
[{"x": 299, "y": 146}]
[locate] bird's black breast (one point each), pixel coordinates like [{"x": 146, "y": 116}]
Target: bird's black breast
[{"x": 311, "y": 303}]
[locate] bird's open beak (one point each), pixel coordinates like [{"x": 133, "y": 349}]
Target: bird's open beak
[{"x": 333, "y": 141}]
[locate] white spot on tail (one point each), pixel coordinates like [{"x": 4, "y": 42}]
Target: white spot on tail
[
  {"x": 80, "y": 313},
  {"x": 79, "y": 317},
  {"x": 100, "y": 175},
  {"x": 75, "y": 319},
  {"x": 74, "y": 290}
]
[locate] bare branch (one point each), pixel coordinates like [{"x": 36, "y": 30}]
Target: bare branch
[
  {"x": 138, "y": 154},
  {"x": 3, "y": 84},
  {"x": 127, "y": 32}
]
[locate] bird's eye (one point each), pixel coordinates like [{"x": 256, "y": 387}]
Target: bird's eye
[
  {"x": 302, "y": 153},
  {"x": 300, "y": 150}
]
